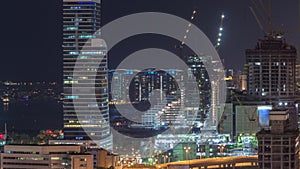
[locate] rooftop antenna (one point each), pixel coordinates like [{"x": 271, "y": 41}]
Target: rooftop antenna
[
  {"x": 269, "y": 17},
  {"x": 5, "y": 132}
]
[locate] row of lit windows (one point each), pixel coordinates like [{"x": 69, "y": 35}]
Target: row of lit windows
[
  {"x": 89, "y": 53},
  {"x": 22, "y": 152},
  {"x": 70, "y": 82},
  {"x": 83, "y": 7},
  {"x": 22, "y": 164},
  {"x": 82, "y": 77},
  {"x": 81, "y": 36},
  {"x": 80, "y": 3},
  {"x": 80, "y": 125},
  {"x": 27, "y": 158}
]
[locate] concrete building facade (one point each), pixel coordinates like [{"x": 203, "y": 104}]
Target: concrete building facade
[
  {"x": 271, "y": 68},
  {"x": 44, "y": 157},
  {"x": 278, "y": 144}
]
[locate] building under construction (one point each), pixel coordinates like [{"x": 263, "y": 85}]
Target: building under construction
[{"x": 272, "y": 69}]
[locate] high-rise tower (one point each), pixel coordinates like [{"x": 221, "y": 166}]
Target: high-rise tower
[
  {"x": 272, "y": 69},
  {"x": 86, "y": 115}
]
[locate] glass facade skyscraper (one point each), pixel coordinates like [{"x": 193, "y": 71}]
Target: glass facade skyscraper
[{"x": 86, "y": 115}]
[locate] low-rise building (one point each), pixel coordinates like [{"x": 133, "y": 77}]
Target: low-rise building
[
  {"x": 45, "y": 157},
  {"x": 104, "y": 158}
]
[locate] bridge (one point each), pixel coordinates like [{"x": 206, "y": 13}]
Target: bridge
[{"x": 244, "y": 162}]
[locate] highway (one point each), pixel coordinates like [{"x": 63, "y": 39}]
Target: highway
[{"x": 219, "y": 162}]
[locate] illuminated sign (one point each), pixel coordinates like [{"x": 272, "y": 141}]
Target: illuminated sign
[
  {"x": 297, "y": 107},
  {"x": 79, "y": 138},
  {"x": 264, "y": 115},
  {"x": 86, "y": 3}
]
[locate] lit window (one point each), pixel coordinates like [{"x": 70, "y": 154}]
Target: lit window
[
  {"x": 73, "y": 53},
  {"x": 72, "y": 97},
  {"x": 71, "y": 28}
]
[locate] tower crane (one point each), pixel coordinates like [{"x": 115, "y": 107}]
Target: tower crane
[
  {"x": 188, "y": 27},
  {"x": 252, "y": 119},
  {"x": 264, "y": 12},
  {"x": 181, "y": 45},
  {"x": 220, "y": 33},
  {"x": 217, "y": 46}
]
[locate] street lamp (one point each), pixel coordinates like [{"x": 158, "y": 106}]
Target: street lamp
[
  {"x": 187, "y": 149},
  {"x": 221, "y": 148},
  {"x": 165, "y": 157},
  {"x": 170, "y": 154},
  {"x": 201, "y": 153}
]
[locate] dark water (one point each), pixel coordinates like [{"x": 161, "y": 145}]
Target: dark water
[{"x": 31, "y": 115}]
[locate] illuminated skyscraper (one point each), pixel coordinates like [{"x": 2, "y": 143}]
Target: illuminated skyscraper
[
  {"x": 142, "y": 84},
  {"x": 198, "y": 70},
  {"x": 86, "y": 115}
]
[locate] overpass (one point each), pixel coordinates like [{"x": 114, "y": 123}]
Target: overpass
[{"x": 214, "y": 163}]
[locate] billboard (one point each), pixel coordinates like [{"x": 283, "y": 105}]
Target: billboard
[{"x": 264, "y": 115}]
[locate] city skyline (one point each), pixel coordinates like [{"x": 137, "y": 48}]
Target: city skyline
[
  {"x": 40, "y": 39},
  {"x": 150, "y": 84}
]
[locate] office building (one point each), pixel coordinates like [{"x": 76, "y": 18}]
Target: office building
[
  {"x": 278, "y": 140},
  {"x": 160, "y": 87},
  {"x": 83, "y": 51},
  {"x": 141, "y": 83},
  {"x": 46, "y": 156},
  {"x": 166, "y": 82},
  {"x": 120, "y": 81},
  {"x": 198, "y": 72}
]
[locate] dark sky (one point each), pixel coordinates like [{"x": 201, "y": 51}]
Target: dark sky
[{"x": 31, "y": 31}]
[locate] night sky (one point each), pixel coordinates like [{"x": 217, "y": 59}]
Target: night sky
[{"x": 31, "y": 31}]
